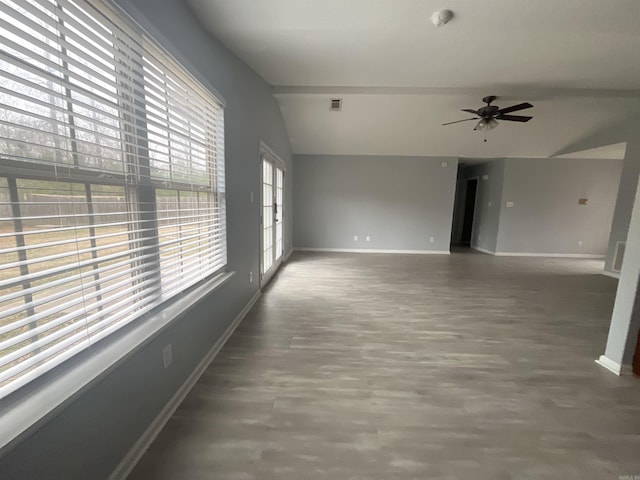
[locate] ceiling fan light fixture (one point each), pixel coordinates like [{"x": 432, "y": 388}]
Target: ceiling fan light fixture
[
  {"x": 486, "y": 124},
  {"x": 441, "y": 17}
]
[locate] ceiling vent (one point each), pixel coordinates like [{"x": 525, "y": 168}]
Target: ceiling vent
[{"x": 336, "y": 104}]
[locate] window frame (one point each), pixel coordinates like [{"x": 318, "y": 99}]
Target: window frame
[{"x": 114, "y": 348}]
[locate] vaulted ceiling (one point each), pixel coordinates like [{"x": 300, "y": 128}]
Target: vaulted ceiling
[{"x": 400, "y": 77}]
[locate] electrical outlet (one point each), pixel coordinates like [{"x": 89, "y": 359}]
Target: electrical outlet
[
  {"x": 167, "y": 356},
  {"x": 367, "y": 238},
  {"x": 250, "y": 277},
  {"x": 251, "y": 197},
  {"x": 355, "y": 238},
  {"x": 579, "y": 243},
  {"x": 431, "y": 239}
]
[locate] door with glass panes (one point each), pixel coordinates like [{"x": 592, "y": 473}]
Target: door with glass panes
[{"x": 272, "y": 214}]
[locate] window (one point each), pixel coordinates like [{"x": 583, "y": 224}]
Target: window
[{"x": 112, "y": 192}]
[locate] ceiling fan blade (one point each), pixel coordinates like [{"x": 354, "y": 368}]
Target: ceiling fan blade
[
  {"x": 468, "y": 110},
  {"x": 514, "y": 118},
  {"x": 515, "y": 108},
  {"x": 458, "y": 121}
]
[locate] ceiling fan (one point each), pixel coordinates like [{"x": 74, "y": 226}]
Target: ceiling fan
[{"x": 489, "y": 115}]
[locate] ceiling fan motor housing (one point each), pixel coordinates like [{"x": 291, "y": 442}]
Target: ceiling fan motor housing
[{"x": 488, "y": 111}]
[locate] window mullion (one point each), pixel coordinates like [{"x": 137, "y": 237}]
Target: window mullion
[
  {"x": 140, "y": 191},
  {"x": 22, "y": 252},
  {"x": 94, "y": 244}
]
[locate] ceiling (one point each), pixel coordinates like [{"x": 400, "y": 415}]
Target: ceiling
[{"x": 400, "y": 77}]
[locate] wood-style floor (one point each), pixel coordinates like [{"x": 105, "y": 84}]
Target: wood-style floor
[{"x": 381, "y": 367}]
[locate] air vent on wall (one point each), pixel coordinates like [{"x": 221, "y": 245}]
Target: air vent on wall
[
  {"x": 618, "y": 257},
  {"x": 336, "y": 104}
]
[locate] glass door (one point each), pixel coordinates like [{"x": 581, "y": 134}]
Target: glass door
[
  {"x": 272, "y": 215},
  {"x": 279, "y": 178}
]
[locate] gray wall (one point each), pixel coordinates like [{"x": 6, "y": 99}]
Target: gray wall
[
  {"x": 399, "y": 201},
  {"x": 486, "y": 218},
  {"x": 89, "y": 437},
  {"x": 624, "y": 203},
  {"x": 546, "y": 216}
]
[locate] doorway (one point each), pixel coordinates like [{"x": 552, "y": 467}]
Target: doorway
[
  {"x": 469, "y": 211},
  {"x": 273, "y": 215}
]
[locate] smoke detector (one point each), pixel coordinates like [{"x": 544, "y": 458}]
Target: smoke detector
[{"x": 441, "y": 17}]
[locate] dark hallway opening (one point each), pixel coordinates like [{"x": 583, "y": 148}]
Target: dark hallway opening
[{"x": 469, "y": 211}]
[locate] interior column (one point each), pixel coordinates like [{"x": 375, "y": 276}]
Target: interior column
[
  {"x": 625, "y": 320},
  {"x": 624, "y": 201}
]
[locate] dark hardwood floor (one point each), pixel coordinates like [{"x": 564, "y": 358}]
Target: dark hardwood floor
[{"x": 366, "y": 366}]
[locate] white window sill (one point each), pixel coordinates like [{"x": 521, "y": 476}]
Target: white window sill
[{"x": 25, "y": 409}]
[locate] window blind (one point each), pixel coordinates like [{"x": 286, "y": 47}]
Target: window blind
[{"x": 112, "y": 196}]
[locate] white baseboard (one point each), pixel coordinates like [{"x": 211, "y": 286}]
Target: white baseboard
[
  {"x": 549, "y": 255},
  {"x": 611, "y": 274},
  {"x": 614, "y": 367},
  {"x": 126, "y": 466},
  {"x": 373, "y": 250},
  {"x": 483, "y": 250}
]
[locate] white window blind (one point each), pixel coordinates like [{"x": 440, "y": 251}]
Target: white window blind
[{"x": 112, "y": 194}]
